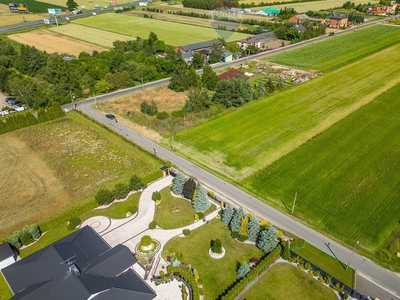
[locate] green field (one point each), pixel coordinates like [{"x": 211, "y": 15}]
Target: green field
[
  {"x": 285, "y": 281},
  {"x": 171, "y": 33},
  {"x": 315, "y": 6},
  {"x": 36, "y": 6},
  {"x": 240, "y": 143},
  {"x": 340, "y": 50},
  {"x": 346, "y": 179},
  {"x": 91, "y": 35}
]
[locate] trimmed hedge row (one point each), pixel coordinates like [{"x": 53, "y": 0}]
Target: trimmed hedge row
[
  {"x": 187, "y": 275},
  {"x": 237, "y": 287}
]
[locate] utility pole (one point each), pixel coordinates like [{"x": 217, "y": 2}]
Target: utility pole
[
  {"x": 141, "y": 76},
  {"x": 95, "y": 102},
  {"x": 294, "y": 202},
  {"x": 72, "y": 99},
  {"x": 351, "y": 255}
]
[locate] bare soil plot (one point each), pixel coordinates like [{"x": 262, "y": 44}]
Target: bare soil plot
[{"x": 51, "y": 42}]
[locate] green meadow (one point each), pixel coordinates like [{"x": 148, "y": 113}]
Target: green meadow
[
  {"x": 346, "y": 179},
  {"x": 247, "y": 140},
  {"x": 171, "y": 33},
  {"x": 338, "y": 51}
]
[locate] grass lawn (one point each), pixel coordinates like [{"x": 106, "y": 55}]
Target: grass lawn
[
  {"x": 52, "y": 167},
  {"x": 36, "y": 6},
  {"x": 328, "y": 263},
  {"x": 346, "y": 179},
  {"x": 285, "y": 281},
  {"x": 5, "y": 292},
  {"x": 303, "y": 7},
  {"x": 340, "y": 50},
  {"x": 249, "y": 139},
  {"x": 171, "y": 33},
  {"x": 217, "y": 275}
]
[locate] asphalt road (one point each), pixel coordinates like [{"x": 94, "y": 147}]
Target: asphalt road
[{"x": 382, "y": 277}]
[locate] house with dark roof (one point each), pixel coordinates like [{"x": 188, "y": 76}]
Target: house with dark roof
[
  {"x": 197, "y": 47},
  {"x": 299, "y": 27},
  {"x": 7, "y": 255},
  {"x": 259, "y": 40},
  {"x": 232, "y": 73},
  {"x": 79, "y": 266}
]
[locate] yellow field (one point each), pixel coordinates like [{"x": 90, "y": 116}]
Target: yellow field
[
  {"x": 51, "y": 42},
  {"x": 91, "y": 35},
  {"x": 9, "y": 18}
]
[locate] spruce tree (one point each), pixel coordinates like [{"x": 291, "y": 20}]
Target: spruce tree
[
  {"x": 253, "y": 230},
  {"x": 201, "y": 201},
  {"x": 227, "y": 214},
  {"x": 236, "y": 221},
  {"x": 268, "y": 239},
  {"x": 189, "y": 188},
  {"x": 242, "y": 271},
  {"x": 178, "y": 182}
]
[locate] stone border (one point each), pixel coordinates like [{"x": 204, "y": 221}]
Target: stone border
[
  {"x": 145, "y": 254},
  {"x": 216, "y": 255}
]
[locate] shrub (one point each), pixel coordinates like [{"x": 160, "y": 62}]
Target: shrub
[
  {"x": 201, "y": 291},
  {"x": 196, "y": 217},
  {"x": 149, "y": 109},
  {"x": 286, "y": 251},
  {"x": 136, "y": 183},
  {"x": 243, "y": 270},
  {"x": 264, "y": 224},
  {"x": 73, "y": 223},
  {"x": 34, "y": 231},
  {"x": 338, "y": 287},
  {"x": 120, "y": 191},
  {"x": 242, "y": 238},
  {"x": 211, "y": 193},
  {"x": 104, "y": 196},
  {"x": 146, "y": 240},
  {"x": 327, "y": 278},
  {"x": 162, "y": 115},
  {"x": 201, "y": 215},
  {"x": 133, "y": 209},
  {"x": 15, "y": 239},
  {"x": 345, "y": 296},
  {"x": 26, "y": 238},
  {"x": 216, "y": 246},
  {"x": 235, "y": 235},
  {"x": 156, "y": 196},
  {"x": 297, "y": 244},
  {"x": 152, "y": 225},
  {"x": 186, "y": 232}
]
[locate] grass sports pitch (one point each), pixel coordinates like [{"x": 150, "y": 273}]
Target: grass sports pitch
[{"x": 171, "y": 33}]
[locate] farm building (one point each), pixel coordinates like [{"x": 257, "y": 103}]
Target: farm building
[
  {"x": 270, "y": 12},
  {"x": 338, "y": 21},
  {"x": 299, "y": 28},
  {"x": 259, "y": 40},
  {"x": 297, "y": 19},
  {"x": 197, "y": 47},
  {"x": 79, "y": 266},
  {"x": 232, "y": 73}
]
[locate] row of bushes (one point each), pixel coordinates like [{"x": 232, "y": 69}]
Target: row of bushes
[
  {"x": 120, "y": 191},
  {"x": 239, "y": 285},
  {"x": 29, "y": 234},
  {"x": 187, "y": 275}
]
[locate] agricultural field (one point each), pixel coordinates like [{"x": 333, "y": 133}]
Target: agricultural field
[
  {"x": 9, "y": 18},
  {"x": 90, "y": 35},
  {"x": 340, "y": 50},
  {"x": 247, "y": 140},
  {"x": 285, "y": 281},
  {"x": 55, "y": 166},
  {"x": 35, "y": 6},
  {"x": 346, "y": 179},
  {"x": 89, "y": 4},
  {"x": 51, "y": 42},
  {"x": 171, "y": 33}
]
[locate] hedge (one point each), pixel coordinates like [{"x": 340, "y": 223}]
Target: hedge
[{"x": 188, "y": 276}]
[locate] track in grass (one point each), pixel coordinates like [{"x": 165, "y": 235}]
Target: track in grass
[
  {"x": 346, "y": 179},
  {"x": 171, "y": 33},
  {"x": 240, "y": 143},
  {"x": 340, "y": 50}
]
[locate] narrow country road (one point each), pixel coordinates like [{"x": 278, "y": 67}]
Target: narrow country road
[{"x": 387, "y": 280}]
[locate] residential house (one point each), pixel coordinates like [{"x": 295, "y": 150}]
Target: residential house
[
  {"x": 197, "y": 47},
  {"x": 259, "y": 40},
  {"x": 188, "y": 57},
  {"x": 228, "y": 56},
  {"x": 338, "y": 21},
  {"x": 232, "y": 73},
  {"x": 79, "y": 266},
  {"x": 297, "y": 19},
  {"x": 7, "y": 255},
  {"x": 299, "y": 28}
]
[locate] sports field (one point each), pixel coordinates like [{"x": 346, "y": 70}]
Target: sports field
[
  {"x": 91, "y": 35},
  {"x": 50, "y": 41},
  {"x": 171, "y": 33},
  {"x": 338, "y": 51},
  {"x": 315, "y": 5},
  {"x": 346, "y": 179},
  {"x": 243, "y": 142}
]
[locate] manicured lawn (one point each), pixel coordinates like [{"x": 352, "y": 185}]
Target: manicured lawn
[
  {"x": 5, "y": 292},
  {"x": 217, "y": 275},
  {"x": 240, "y": 143},
  {"x": 285, "y": 281},
  {"x": 338, "y": 51},
  {"x": 346, "y": 179},
  {"x": 328, "y": 263},
  {"x": 171, "y": 33}
]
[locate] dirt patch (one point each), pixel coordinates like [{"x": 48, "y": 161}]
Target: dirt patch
[{"x": 51, "y": 42}]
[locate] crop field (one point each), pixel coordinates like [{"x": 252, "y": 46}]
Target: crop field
[
  {"x": 9, "y": 18},
  {"x": 346, "y": 179},
  {"x": 340, "y": 50},
  {"x": 36, "y": 6},
  {"x": 314, "y": 6},
  {"x": 51, "y": 167},
  {"x": 52, "y": 42},
  {"x": 171, "y": 33},
  {"x": 90, "y": 35},
  {"x": 89, "y": 4},
  {"x": 247, "y": 140}
]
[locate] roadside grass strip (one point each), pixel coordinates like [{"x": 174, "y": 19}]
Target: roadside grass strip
[
  {"x": 251, "y": 138},
  {"x": 339, "y": 51}
]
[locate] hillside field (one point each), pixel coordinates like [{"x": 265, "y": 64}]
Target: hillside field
[
  {"x": 247, "y": 140},
  {"x": 54, "y": 166},
  {"x": 171, "y": 33},
  {"x": 338, "y": 51},
  {"x": 346, "y": 179}
]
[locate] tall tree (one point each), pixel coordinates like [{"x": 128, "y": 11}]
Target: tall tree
[
  {"x": 227, "y": 214},
  {"x": 178, "y": 182},
  {"x": 71, "y": 4},
  {"x": 236, "y": 221},
  {"x": 209, "y": 78},
  {"x": 268, "y": 239},
  {"x": 243, "y": 270},
  {"x": 188, "y": 188},
  {"x": 201, "y": 201},
  {"x": 198, "y": 100},
  {"x": 198, "y": 60},
  {"x": 254, "y": 229},
  {"x": 243, "y": 227}
]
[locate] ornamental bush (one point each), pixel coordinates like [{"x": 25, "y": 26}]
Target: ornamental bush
[
  {"x": 104, "y": 196},
  {"x": 26, "y": 238},
  {"x": 186, "y": 232},
  {"x": 136, "y": 183},
  {"x": 73, "y": 223},
  {"x": 152, "y": 225},
  {"x": 34, "y": 231},
  {"x": 243, "y": 270},
  {"x": 216, "y": 246},
  {"x": 146, "y": 240},
  {"x": 156, "y": 196},
  {"x": 15, "y": 239},
  {"x": 120, "y": 191}
]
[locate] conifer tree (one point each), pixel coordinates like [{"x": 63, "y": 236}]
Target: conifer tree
[
  {"x": 253, "y": 230},
  {"x": 243, "y": 227},
  {"x": 242, "y": 271},
  {"x": 178, "y": 182},
  {"x": 189, "y": 188},
  {"x": 227, "y": 214},
  {"x": 268, "y": 239},
  {"x": 236, "y": 221},
  {"x": 201, "y": 201}
]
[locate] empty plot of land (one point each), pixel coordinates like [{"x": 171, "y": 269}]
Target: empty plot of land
[
  {"x": 171, "y": 33},
  {"x": 51, "y": 42},
  {"x": 102, "y": 38}
]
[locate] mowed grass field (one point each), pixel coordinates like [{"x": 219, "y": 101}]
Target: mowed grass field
[
  {"x": 171, "y": 33},
  {"x": 346, "y": 179},
  {"x": 285, "y": 281},
  {"x": 303, "y": 7},
  {"x": 91, "y": 35},
  {"x": 338, "y": 51},
  {"x": 54, "y": 166},
  {"x": 247, "y": 140}
]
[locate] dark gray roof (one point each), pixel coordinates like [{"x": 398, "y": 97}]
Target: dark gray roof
[
  {"x": 200, "y": 45},
  {"x": 76, "y": 267},
  {"x": 5, "y": 251},
  {"x": 268, "y": 36},
  {"x": 299, "y": 27},
  {"x": 187, "y": 54}
]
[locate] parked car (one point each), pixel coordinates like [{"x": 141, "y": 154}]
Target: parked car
[
  {"x": 110, "y": 116},
  {"x": 331, "y": 33},
  {"x": 8, "y": 99},
  {"x": 20, "y": 108}
]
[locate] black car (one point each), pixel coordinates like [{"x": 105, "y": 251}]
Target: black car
[
  {"x": 8, "y": 99},
  {"x": 110, "y": 116},
  {"x": 331, "y": 33}
]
